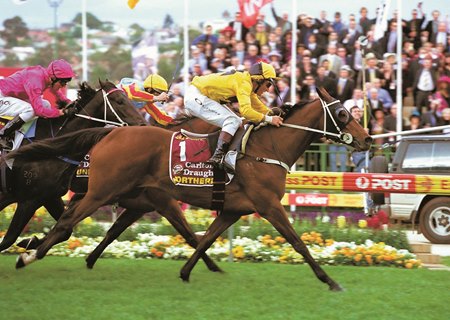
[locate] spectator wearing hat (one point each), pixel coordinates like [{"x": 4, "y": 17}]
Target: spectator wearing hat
[
  {"x": 228, "y": 33},
  {"x": 371, "y": 70},
  {"x": 275, "y": 60},
  {"x": 424, "y": 84},
  {"x": 415, "y": 121},
  {"x": 442, "y": 94},
  {"x": 344, "y": 84}
]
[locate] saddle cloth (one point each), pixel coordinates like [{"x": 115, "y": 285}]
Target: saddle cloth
[{"x": 187, "y": 163}]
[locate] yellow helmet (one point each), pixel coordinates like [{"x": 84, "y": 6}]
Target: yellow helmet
[
  {"x": 263, "y": 71},
  {"x": 157, "y": 82}
]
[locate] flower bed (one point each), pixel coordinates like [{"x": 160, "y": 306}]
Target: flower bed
[
  {"x": 335, "y": 241},
  {"x": 263, "y": 249}
]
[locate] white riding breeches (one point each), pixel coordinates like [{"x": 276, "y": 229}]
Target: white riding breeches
[
  {"x": 12, "y": 107},
  {"x": 211, "y": 111}
]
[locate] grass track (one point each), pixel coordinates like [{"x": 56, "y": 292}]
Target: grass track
[{"x": 62, "y": 288}]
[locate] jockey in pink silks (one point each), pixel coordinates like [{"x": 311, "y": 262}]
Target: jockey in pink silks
[{"x": 21, "y": 94}]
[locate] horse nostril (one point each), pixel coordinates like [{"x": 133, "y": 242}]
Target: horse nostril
[{"x": 369, "y": 140}]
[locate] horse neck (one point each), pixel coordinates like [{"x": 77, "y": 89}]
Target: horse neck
[{"x": 288, "y": 144}]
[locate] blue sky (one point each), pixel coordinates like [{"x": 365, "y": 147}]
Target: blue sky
[{"x": 38, "y": 13}]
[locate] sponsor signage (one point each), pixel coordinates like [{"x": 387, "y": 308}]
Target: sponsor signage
[
  {"x": 323, "y": 199},
  {"x": 368, "y": 182}
]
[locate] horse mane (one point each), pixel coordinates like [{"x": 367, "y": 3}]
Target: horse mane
[
  {"x": 290, "y": 108},
  {"x": 85, "y": 94}
]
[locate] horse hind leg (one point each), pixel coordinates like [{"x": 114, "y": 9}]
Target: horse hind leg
[
  {"x": 22, "y": 215},
  {"x": 219, "y": 225},
  {"x": 62, "y": 230},
  {"x": 175, "y": 216},
  {"x": 126, "y": 219},
  {"x": 278, "y": 218}
]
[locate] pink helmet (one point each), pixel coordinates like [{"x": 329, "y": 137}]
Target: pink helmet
[{"x": 60, "y": 69}]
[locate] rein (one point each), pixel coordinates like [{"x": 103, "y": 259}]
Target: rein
[{"x": 107, "y": 103}]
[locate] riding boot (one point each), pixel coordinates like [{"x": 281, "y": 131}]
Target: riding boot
[
  {"x": 7, "y": 131},
  {"x": 223, "y": 143}
]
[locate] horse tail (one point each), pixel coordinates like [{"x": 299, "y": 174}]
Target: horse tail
[{"x": 75, "y": 145}]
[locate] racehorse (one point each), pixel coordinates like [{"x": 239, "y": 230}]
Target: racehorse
[
  {"x": 140, "y": 167},
  {"x": 93, "y": 108}
]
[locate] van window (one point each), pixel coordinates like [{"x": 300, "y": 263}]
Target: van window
[{"x": 430, "y": 156}]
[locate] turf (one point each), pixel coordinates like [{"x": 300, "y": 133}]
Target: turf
[{"x": 62, "y": 288}]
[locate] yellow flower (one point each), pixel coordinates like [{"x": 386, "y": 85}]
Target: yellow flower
[
  {"x": 341, "y": 222},
  {"x": 362, "y": 223}
]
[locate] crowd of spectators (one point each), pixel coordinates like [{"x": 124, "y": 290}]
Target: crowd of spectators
[{"x": 329, "y": 54}]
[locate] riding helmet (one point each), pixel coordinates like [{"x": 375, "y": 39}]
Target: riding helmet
[
  {"x": 60, "y": 69},
  {"x": 156, "y": 82}
]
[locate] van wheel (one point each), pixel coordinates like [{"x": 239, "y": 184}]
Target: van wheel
[
  {"x": 378, "y": 164},
  {"x": 435, "y": 220}
]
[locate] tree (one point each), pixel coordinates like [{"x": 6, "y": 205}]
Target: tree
[
  {"x": 15, "y": 30},
  {"x": 92, "y": 21},
  {"x": 136, "y": 32},
  {"x": 168, "y": 22}
]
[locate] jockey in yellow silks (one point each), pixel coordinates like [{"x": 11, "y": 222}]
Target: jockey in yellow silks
[{"x": 143, "y": 94}]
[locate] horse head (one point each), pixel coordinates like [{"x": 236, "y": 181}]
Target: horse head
[
  {"x": 340, "y": 126},
  {"x": 117, "y": 108}
]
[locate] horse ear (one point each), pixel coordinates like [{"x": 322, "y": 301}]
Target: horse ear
[
  {"x": 102, "y": 84},
  {"x": 323, "y": 94}
]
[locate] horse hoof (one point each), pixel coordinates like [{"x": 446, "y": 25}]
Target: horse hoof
[
  {"x": 20, "y": 263},
  {"x": 89, "y": 264},
  {"x": 184, "y": 278},
  {"x": 336, "y": 288}
]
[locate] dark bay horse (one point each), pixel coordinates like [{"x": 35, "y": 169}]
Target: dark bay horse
[
  {"x": 45, "y": 183},
  {"x": 140, "y": 168}
]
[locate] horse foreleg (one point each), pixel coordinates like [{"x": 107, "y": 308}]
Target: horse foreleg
[
  {"x": 219, "y": 225},
  {"x": 126, "y": 219},
  {"x": 175, "y": 216},
  {"x": 278, "y": 218},
  {"x": 24, "y": 212}
]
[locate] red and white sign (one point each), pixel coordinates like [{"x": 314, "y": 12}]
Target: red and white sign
[{"x": 250, "y": 10}]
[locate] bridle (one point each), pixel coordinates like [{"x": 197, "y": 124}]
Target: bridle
[
  {"x": 106, "y": 103},
  {"x": 344, "y": 137},
  {"x": 340, "y": 136}
]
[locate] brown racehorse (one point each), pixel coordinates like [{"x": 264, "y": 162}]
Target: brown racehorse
[{"x": 140, "y": 167}]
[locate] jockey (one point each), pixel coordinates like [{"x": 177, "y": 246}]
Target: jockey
[
  {"x": 143, "y": 94},
  {"x": 207, "y": 94},
  {"x": 21, "y": 94}
]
